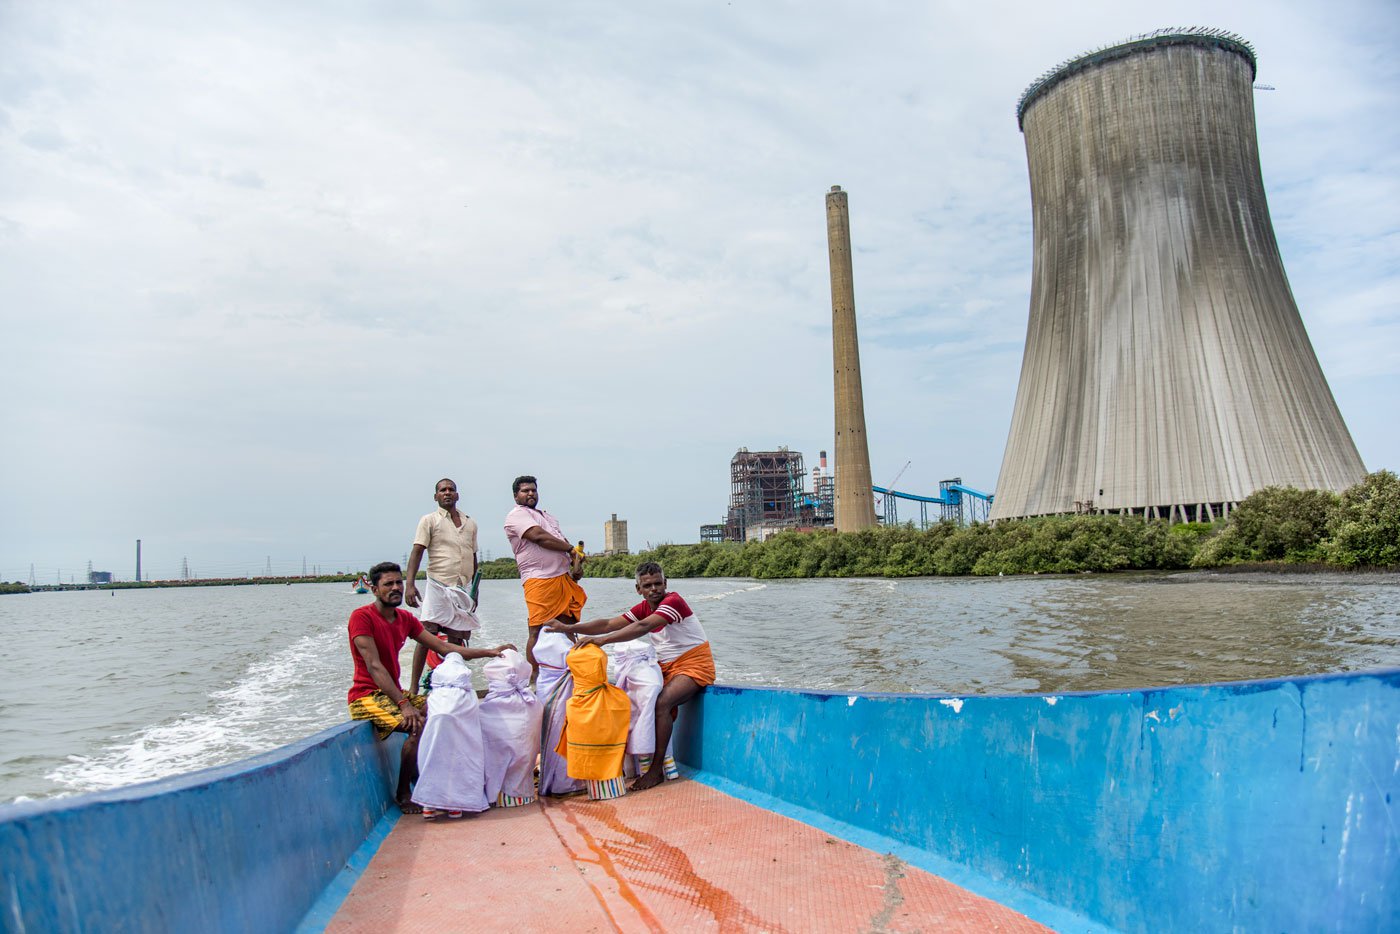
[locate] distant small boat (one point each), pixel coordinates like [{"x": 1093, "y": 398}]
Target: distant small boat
[{"x": 362, "y": 589}]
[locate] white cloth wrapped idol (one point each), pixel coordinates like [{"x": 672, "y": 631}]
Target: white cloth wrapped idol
[
  {"x": 451, "y": 774},
  {"x": 551, "y": 652},
  {"x": 554, "y": 769},
  {"x": 639, "y": 674},
  {"x": 510, "y": 729}
]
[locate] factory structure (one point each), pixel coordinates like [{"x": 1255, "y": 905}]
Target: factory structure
[
  {"x": 615, "y": 536},
  {"x": 768, "y": 493},
  {"x": 768, "y": 490},
  {"x": 1167, "y": 372}
]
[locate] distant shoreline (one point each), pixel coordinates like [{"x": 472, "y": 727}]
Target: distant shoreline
[
  {"x": 201, "y": 582},
  {"x": 1276, "y": 530},
  {"x": 1255, "y": 569}
]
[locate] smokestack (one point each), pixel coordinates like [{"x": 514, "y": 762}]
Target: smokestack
[
  {"x": 855, "y": 502},
  {"x": 1166, "y": 368},
  {"x": 138, "y": 561}
]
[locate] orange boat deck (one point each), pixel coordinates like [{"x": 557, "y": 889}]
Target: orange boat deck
[{"x": 681, "y": 857}]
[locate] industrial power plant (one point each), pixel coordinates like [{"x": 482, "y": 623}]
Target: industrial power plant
[
  {"x": 768, "y": 493},
  {"x": 768, "y": 489},
  {"x": 1167, "y": 372}
]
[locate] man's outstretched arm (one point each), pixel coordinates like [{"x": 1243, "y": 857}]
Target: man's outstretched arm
[
  {"x": 626, "y": 632},
  {"x": 590, "y": 627},
  {"x": 426, "y": 638}
]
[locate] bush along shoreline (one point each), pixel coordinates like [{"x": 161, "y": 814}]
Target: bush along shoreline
[
  {"x": 1276, "y": 528},
  {"x": 1273, "y": 528}
]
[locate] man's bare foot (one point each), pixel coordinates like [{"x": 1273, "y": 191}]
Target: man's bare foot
[
  {"x": 650, "y": 780},
  {"x": 408, "y": 807}
]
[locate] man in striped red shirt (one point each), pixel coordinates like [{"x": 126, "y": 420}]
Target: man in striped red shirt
[{"x": 682, "y": 648}]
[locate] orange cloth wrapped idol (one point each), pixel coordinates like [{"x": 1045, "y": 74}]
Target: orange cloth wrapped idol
[{"x": 595, "y": 729}]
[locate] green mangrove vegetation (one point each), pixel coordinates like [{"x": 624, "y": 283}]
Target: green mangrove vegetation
[
  {"x": 1273, "y": 527},
  {"x": 499, "y": 569},
  {"x": 1276, "y": 526}
]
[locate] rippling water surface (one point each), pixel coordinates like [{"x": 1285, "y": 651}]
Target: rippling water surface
[{"x": 106, "y": 689}]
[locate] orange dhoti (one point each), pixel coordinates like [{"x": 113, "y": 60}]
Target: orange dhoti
[
  {"x": 548, "y": 598},
  {"x": 697, "y": 664}
]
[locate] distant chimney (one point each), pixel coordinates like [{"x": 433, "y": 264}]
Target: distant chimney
[{"x": 855, "y": 501}]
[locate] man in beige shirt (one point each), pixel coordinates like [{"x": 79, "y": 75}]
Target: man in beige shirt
[{"x": 449, "y": 539}]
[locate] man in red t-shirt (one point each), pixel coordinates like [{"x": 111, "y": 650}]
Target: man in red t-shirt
[
  {"x": 378, "y": 632},
  {"x": 682, "y": 648}
]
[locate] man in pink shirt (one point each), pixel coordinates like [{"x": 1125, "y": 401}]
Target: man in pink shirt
[{"x": 548, "y": 565}]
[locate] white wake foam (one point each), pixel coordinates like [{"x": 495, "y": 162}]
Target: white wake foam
[
  {"x": 729, "y": 593},
  {"x": 285, "y": 697}
]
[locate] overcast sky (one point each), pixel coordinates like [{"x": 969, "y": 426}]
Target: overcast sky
[{"x": 269, "y": 270}]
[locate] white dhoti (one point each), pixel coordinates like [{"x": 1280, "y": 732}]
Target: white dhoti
[
  {"x": 551, "y": 650},
  {"x": 510, "y": 728},
  {"x": 451, "y": 607},
  {"x": 639, "y": 674},
  {"x": 451, "y": 775}
]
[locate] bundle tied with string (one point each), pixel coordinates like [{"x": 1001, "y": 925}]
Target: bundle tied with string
[
  {"x": 450, "y": 750},
  {"x": 510, "y": 730},
  {"x": 597, "y": 718}
]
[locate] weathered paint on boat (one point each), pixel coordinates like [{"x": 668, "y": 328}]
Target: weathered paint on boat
[
  {"x": 1255, "y": 806},
  {"x": 1263, "y": 805},
  {"x": 243, "y": 847}
]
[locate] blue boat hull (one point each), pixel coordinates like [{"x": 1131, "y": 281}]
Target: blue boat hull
[
  {"x": 1253, "y": 806},
  {"x": 245, "y": 847},
  {"x": 1262, "y": 806}
]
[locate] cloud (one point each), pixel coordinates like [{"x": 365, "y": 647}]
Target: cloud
[{"x": 275, "y": 269}]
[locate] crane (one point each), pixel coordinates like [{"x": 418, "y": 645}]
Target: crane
[{"x": 891, "y": 484}]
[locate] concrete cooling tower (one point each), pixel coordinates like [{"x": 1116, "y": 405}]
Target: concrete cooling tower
[{"x": 1166, "y": 370}]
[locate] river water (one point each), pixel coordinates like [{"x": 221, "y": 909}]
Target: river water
[{"x": 108, "y": 688}]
